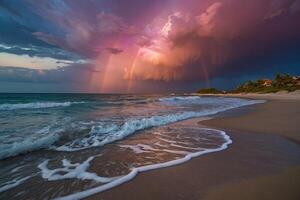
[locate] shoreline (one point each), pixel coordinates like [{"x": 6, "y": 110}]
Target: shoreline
[
  {"x": 261, "y": 129},
  {"x": 277, "y": 116},
  {"x": 282, "y": 95},
  {"x": 147, "y": 168},
  {"x": 265, "y": 151}
]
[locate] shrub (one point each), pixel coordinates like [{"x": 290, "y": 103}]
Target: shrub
[{"x": 209, "y": 91}]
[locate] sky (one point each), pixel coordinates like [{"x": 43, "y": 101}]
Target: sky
[{"x": 145, "y": 46}]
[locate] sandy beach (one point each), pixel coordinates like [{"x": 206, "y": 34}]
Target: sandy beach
[
  {"x": 262, "y": 163},
  {"x": 150, "y": 100}
]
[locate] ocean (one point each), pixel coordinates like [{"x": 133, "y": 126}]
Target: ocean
[{"x": 71, "y": 146}]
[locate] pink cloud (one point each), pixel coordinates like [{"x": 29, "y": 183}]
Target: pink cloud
[
  {"x": 183, "y": 40},
  {"x": 188, "y": 44}
]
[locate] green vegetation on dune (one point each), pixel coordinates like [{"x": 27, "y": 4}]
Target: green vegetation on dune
[
  {"x": 280, "y": 83},
  {"x": 209, "y": 91}
]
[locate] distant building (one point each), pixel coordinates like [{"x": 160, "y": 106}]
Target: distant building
[
  {"x": 297, "y": 80},
  {"x": 266, "y": 82}
]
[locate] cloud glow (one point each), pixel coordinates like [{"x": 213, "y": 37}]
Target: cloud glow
[
  {"x": 136, "y": 45},
  {"x": 25, "y": 61}
]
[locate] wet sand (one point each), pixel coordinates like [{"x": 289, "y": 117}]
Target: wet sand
[
  {"x": 262, "y": 163},
  {"x": 280, "y": 117}
]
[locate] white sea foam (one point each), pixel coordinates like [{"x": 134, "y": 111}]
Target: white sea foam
[
  {"x": 35, "y": 105},
  {"x": 139, "y": 148},
  {"x": 176, "y": 151},
  {"x": 184, "y": 147},
  {"x": 13, "y": 183},
  {"x": 188, "y": 156},
  {"x": 180, "y": 98},
  {"x": 114, "y": 133},
  {"x": 71, "y": 171},
  {"x": 29, "y": 144},
  {"x": 144, "y": 148},
  {"x": 104, "y": 133},
  {"x": 160, "y": 145},
  {"x": 216, "y": 101}
]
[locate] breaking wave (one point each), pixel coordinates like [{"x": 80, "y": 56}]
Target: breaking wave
[
  {"x": 116, "y": 181},
  {"x": 180, "y": 98},
  {"x": 35, "y": 105},
  {"x": 100, "y": 134}
]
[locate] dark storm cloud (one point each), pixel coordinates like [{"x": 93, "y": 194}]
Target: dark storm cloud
[
  {"x": 82, "y": 27},
  {"x": 113, "y": 50},
  {"x": 79, "y": 73},
  {"x": 179, "y": 42},
  {"x": 227, "y": 38},
  {"x": 39, "y": 51},
  {"x": 18, "y": 22}
]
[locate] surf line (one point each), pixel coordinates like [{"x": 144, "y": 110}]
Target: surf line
[{"x": 135, "y": 171}]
